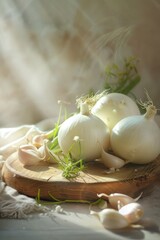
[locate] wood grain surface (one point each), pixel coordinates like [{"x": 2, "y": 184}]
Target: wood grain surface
[{"x": 95, "y": 179}]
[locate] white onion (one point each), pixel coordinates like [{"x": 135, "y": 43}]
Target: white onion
[
  {"x": 137, "y": 138},
  {"x": 113, "y": 107},
  {"x": 83, "y": 135}
]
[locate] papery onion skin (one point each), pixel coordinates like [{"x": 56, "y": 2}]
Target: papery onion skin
[
  {"x": 93, "y": 134},
  {"x": 136, "y": 139},
  {"x": 113, "y": 107}
]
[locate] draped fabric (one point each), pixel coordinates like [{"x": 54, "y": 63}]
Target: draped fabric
[{"x": 13, "y": 204}]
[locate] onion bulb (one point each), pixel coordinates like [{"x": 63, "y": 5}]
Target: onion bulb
[
  {"x": 137, "y": 138},
  {"x": 83, "y": 135},
  {"x": 113, "y": 107}
]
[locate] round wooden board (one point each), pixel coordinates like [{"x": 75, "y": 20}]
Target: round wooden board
[{"x": 47, "y": 178}]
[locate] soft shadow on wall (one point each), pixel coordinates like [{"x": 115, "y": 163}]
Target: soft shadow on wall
[{"x": 51, "y": 50}]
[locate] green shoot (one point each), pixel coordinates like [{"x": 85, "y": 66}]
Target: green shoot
[
  {"x": 143, "y": 105},
  {"x": 53, "y": 135},
  {"x": 56, "y": 127},
  {"x": 122, "y": 80},
  {"x": 55, "y": 201},
  {"x": 70, "y": 167},
  {"x": 38, "y": 197},
  {"x": 117, "y": 79},
  {"x": 90, "y": 99}
]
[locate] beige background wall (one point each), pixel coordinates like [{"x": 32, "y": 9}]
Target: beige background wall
[{"x": 58, "y": 49}]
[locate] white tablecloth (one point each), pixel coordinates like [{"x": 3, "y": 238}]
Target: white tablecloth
[{"x": 76, "y": 223}]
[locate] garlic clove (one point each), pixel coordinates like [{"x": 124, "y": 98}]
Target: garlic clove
[
  {"x": 111, "y": 219},
  {"x": 29, "y": 155},
  {"x": 118, "y": 200},
  {"x": 37, "y": 140},
  {"x": 119, "y": 204},
  {"x": 111, "y": 161},
  {"x": 133, "y": 212},
  {"x": 46, "y": 153}
]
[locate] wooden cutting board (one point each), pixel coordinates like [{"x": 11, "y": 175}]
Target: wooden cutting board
[{"x": 47, "y": 178}]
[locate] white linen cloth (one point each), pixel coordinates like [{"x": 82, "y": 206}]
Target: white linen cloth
[{"x": 13, "y": 204}]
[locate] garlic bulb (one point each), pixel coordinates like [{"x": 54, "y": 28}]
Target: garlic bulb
[
  {"x": 83, "y": 135},
  {"x": 137, "y": 138},
  {"x": 111, "y": 219},
  {"x": 133, "y": 212},
  {"x": 39, "y": 139},
  {"x": 113, "y": 107}
]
